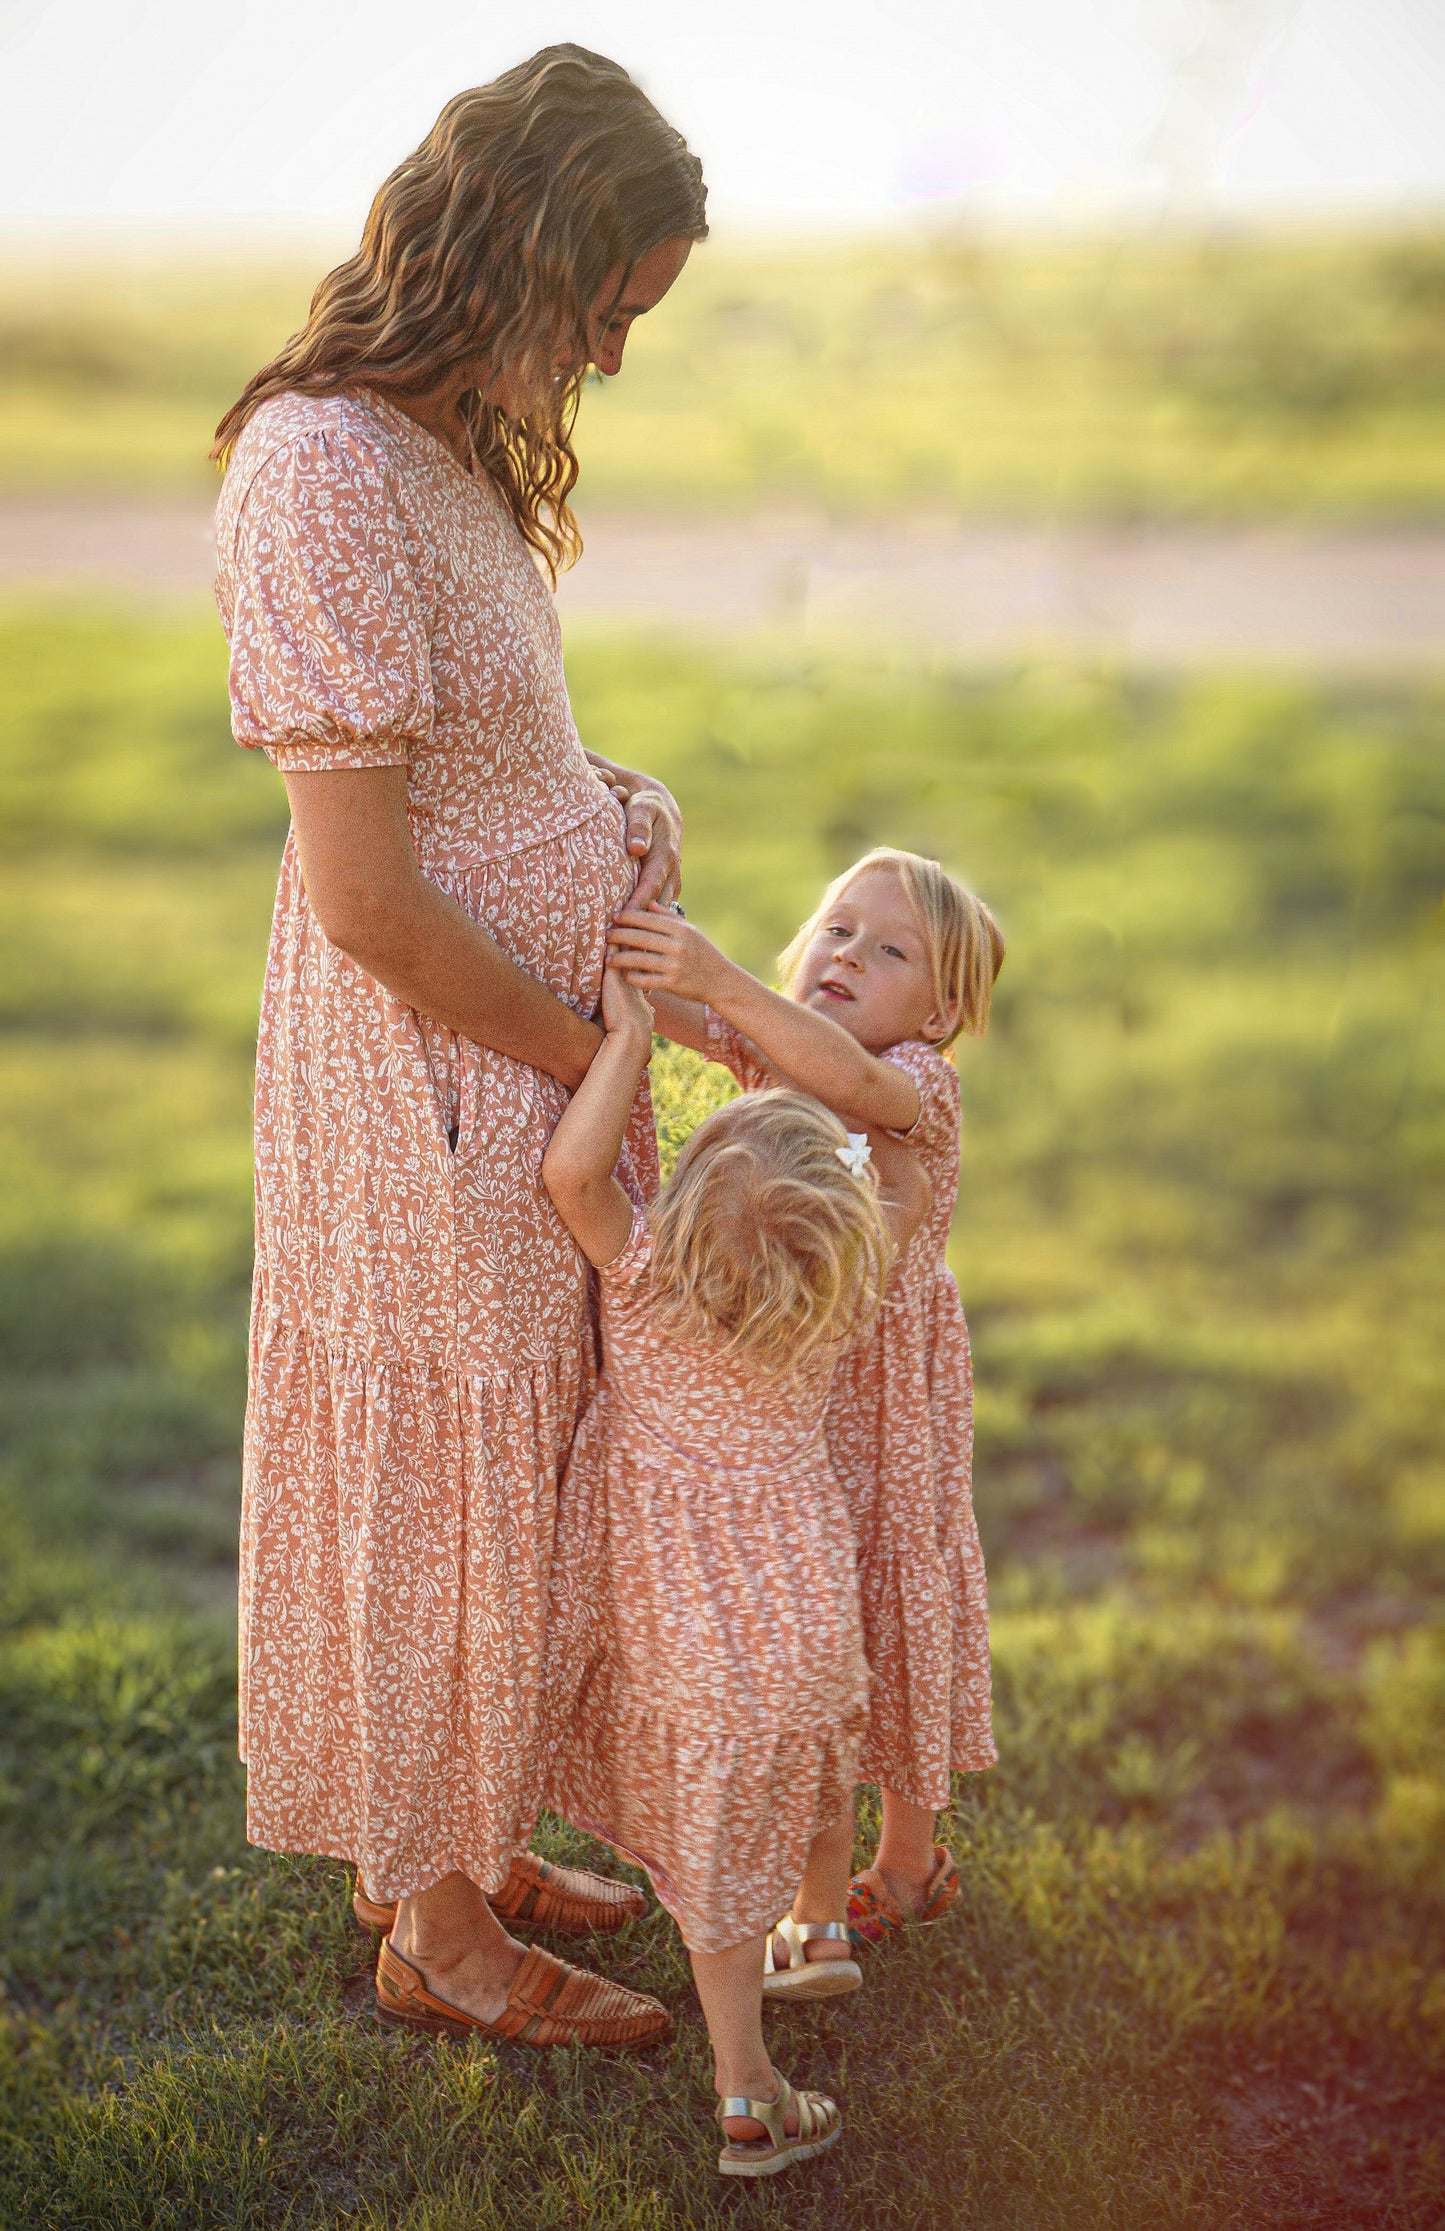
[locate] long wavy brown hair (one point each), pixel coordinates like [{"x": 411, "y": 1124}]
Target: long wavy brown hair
[{"x": 490, "y": 245}]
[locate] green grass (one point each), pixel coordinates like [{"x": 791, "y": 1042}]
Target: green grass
[
  {"x": 1194, "y": 1980},
  {"x": 1216, "y": 377}
]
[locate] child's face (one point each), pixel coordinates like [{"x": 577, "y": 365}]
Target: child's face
[{"x": 867, "y": 966}]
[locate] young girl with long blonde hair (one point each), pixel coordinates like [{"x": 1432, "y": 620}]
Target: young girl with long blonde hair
[
  {"x": 706, "y": 1685},
  {"x": 898, "y": 960}
]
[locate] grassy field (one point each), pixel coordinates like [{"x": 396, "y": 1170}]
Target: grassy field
[
  {"x": 1194, "y": 1979},
  {"x": 1229, "y": 376}
]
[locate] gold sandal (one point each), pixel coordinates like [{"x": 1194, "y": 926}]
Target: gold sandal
[
  {"x": 820, "y": 2125},
  {"x": 803, "y": 1978}
]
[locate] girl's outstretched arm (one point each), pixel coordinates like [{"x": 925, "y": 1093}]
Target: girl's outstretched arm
[
  {"x": 581, "y": 1156},
  {"x": 673, "y": 962},
  {"x": 684, "y": 1021}
]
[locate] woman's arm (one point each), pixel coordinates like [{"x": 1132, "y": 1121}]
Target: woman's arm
[
  {"x": 368, "y": 893},
  {"x": 661, "y": 953},
  {"x": 654, "y": 829},
  {"x": 581, "y": 1156}
]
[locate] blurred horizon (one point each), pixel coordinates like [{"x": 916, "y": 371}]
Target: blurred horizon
[
  {"x": 239, "y": 241},
  {"x": 837, "y": 117}
]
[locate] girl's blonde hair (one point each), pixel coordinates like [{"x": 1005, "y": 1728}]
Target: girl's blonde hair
[
  {"x": 964, "y": 943},
  {"x": 491, "y": 243},
  {"x": 765, "y": 1241}
]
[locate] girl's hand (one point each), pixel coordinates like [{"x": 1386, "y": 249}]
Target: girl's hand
[
  {"x": 625, "y": 1010},
  {"x": 660, "y": 952}
]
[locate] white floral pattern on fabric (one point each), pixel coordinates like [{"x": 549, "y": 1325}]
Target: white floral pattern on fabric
[
  {"x": 706, "y": 1690},
  {"x": 421, "y": 1342},
  {"x": 900, "y": 1436}
]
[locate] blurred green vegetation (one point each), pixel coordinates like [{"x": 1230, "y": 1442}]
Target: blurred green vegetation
[
  {"x": 1219, "y": 376},
  {"x": 1195, "y": 1977}
]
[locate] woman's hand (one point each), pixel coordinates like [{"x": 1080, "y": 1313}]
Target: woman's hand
[
  {"x": 660, "y": 952},
  {"x": 654, "y": 830},
  {"x": 625, "y": 1010},
  {"x": 654, "y": 835}
]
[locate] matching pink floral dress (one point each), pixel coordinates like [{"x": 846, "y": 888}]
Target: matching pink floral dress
[
  {"x": 420, "y": 1345},
  {"x": 707, "y": 1690},
  {"x": 900, "y": 1437}
]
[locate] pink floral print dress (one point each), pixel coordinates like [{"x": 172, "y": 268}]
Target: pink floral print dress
[
  {"x": 420, "y": 1339},
  {"x": 900, "y": 1436},
  {"x": 707, "y": 1688}
]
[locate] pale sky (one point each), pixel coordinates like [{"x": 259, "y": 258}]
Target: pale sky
[{"x": 271, "y": 115}]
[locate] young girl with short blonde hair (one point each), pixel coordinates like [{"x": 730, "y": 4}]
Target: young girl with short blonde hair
[
  {"x": 706, "y": 1685},
  {"x": 897, "y": 960}
]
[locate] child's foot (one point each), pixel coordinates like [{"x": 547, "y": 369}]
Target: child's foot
[
  {"x": 909, "y": 1893},
  {"x": 809, "y": 1960},
  {"x": 798, "y": 2125},
  {"x": 745, "y": 2128},
  {"x": 883, "y": 1900}
]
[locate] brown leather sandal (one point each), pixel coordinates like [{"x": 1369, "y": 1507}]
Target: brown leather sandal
[
  {"x": 549, "y": 2003},
  {"x": 538, "y": 1895}
]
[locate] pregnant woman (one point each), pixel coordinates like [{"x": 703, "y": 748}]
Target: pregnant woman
[{"x": 420, "y": 1348}]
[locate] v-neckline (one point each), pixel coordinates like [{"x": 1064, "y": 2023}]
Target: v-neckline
[{"x": 391, "y": 411}]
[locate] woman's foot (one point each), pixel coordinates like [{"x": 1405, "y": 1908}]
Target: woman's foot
[
  {"x": 449, "y": 1966},
  {"x": 476, "y": 1978},
  {"x": 537, "y": 1894},
  {"x": 570, "y": 1900},
  {"x": 548, "y": 2003},
  {"x": 451, "y": 1939}
]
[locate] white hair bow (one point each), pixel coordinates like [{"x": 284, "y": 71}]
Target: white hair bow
[{"x": 856, "y": 1155}]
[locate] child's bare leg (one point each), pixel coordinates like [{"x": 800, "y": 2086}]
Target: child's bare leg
[
  {"x": 730, "y": 1985},
  {"x": 823, "y": 1891},
  {"x": 904, "y": 1862}
]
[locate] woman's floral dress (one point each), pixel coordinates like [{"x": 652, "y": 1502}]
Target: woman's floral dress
[{"x": 420, "y": 1340}]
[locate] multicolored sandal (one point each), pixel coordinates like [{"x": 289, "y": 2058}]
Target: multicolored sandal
[
  {"x": 820, "y": 2125},
  {"x": 799, "y": 1977},
  {"x": 874, "y": 1915},
  {"x": 549, "y": 2003},
  {"x": 566, "y": 1901}
]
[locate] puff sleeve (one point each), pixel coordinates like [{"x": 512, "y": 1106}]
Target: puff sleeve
[
  {"x": 934, "y": 1135},
  {"x": 330, "y": 615},
  {"x": 730, "y": 1050},
  {"x": 632, "y": 1259}
]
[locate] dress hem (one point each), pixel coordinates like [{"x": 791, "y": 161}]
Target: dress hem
[
  {"x": 873, "y": 1773},
  {"x": 380, "y": 1885}
]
